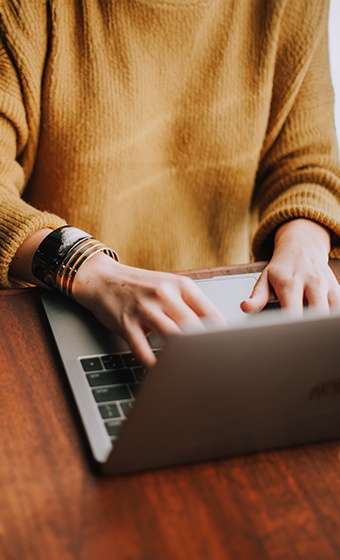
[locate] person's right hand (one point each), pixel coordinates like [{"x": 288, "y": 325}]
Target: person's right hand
[{"x": 134, "y": 302}]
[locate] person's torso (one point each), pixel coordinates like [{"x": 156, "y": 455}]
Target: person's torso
[{"x": 152, "y": 123}]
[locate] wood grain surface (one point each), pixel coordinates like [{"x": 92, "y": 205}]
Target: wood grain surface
[{"x": 282, "y": 505}]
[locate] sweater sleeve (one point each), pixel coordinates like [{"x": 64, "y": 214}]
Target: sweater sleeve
[
  {"x": 19, "y": 129},
  {"x": 299, "y": 172}
]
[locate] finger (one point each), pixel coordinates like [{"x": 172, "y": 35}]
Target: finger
[
  {"x": 199, "y": 303},
  {"x": 291, "y": 298},
  {"x": 316, "y": 297},
  {"x": 261, "y": 294},
  {"x": 155, "y": 320},
  {"x": 140, "y": 346},
  {"x": 160, "y": 322},
  {"x": 287, "y": 290},
  {"x": 334, "y": 291},
  {"x": 176, "y": 317},
  {"x": 334, "y": 297}
]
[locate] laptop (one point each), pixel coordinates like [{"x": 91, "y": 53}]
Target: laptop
[{"x": 265, "y": 381}]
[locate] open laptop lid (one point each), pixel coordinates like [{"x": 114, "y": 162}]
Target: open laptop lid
[{"x": 235, "y": 391}]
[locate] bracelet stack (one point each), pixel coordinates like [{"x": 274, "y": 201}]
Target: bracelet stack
[{"x": 61, "y": 254}]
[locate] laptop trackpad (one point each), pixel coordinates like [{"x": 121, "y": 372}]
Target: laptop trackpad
[{"x": 227, "y": 292}]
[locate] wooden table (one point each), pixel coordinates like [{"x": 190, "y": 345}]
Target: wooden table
[{"x": 282, "y": 505}]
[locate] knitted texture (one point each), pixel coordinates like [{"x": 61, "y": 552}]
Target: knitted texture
[{"x": 180, "y": 132}]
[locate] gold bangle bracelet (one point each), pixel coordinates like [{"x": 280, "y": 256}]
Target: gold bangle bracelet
[
  {"x": 71, "y": 259},
  {"x": 77, "y": 255},
  {"x": 81, "y": 256}
]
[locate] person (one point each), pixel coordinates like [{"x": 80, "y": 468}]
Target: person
[{"x": 181, "y": 134}]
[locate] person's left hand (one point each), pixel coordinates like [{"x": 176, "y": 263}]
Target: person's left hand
[{"x": 298, "y": 273}]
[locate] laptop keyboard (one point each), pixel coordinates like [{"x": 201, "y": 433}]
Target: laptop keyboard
[{"x": 114, "y": 380}]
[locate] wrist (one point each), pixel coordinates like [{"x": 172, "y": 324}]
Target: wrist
[
  {"x": 93, "y": 278},
  {"x": 304, "y": 230},
  {"x": 60, "y": 255}
]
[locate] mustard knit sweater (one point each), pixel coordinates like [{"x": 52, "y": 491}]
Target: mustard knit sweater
[{"x": 179, "y": 132}]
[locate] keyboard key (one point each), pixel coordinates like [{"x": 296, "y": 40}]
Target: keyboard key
[
  {"x": 109, "y": 410},
  {"x": 113, "y": 428},
  {"x": 112, "y": 361},
  {"x": 130, "y": 360},
  {"x": 91, "y": 364},
  {"x": 139, "y": 373},
  {"x": 110, "y": 378},
  {"x": 120, "y": 392},
  {"x": 134, "y": 388},
  {"x": 126, "y": 407}
]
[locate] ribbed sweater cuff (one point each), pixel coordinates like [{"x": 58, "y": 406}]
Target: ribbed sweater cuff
[
  {"x": 19, "y": 222},
  {"x": 303, "y": 201}
]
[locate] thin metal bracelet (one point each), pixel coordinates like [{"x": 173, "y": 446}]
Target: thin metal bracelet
[
  {"x": 88, "y": 255},
  {"x": 73, "y": 254},
  {"x": 73, "y": 261}
]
